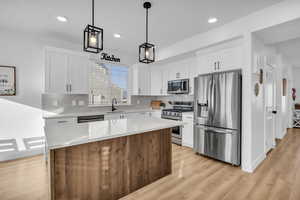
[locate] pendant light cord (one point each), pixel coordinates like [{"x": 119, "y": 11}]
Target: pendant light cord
[
  {"x": 146, "y": 25},
  {"x": 93, "y": 10}
]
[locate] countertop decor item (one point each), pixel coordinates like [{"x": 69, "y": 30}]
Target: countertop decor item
[
  {"x": 93, "y": 36},
  {"x": 147, "y": 50},
  {"x": 155, "y": 105},
  {"x": 7, "y": 81}
]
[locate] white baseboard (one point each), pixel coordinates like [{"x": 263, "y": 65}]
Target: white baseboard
[
  {"x": 21, "y": 154},
  {"x": 258, "y": 161},
  {"x": 187, "y": 145}
]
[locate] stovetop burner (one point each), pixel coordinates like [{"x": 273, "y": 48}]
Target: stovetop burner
[{"x": 175, "y": 113}]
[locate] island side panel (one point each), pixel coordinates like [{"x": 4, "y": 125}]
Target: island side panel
[{"x": 110, "y": 169}]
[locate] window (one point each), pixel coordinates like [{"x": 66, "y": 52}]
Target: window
[{"x": 108, "y": 81}]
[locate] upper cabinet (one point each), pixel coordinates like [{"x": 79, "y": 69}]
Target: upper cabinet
[
  {"x": 140, "y": 79},
  {"x": 153, "y": 79},
  {"x": 66, "y": 73},
  {"x": 156, "y": 80},
  {"x": 219, "y": 60},
  {"x": 178, "y": 70}
]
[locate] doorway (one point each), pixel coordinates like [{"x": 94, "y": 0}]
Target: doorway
[{"x": 270, "y": 108}]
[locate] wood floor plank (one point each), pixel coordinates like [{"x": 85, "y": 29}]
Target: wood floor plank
[{"x": 193, "y": 177}]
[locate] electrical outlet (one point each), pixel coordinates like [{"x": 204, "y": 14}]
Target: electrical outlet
[
  {"x": 81, "y": 103},
  {"x": 74, "y": 103}
]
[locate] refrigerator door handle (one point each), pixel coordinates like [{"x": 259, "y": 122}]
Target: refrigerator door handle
[{"x": 213, "y": 99}]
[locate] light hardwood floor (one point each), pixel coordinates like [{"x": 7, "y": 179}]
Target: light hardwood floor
[{"x": 194, "y": 177}]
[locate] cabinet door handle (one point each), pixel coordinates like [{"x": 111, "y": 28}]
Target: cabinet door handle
[
  {"x": 218, "y": 64},
  {"x": 215, "y": 65}
]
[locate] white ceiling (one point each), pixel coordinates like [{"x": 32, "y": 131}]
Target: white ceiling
[
  {"x": 280, "y": 33},
  {"x": 286, "y": 38},
  {"x": 291, "y": 49},
  {"x": 169, "y": 20}
]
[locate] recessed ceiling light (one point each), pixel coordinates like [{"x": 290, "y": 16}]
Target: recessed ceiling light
[
  {"x": 116, "y": 35},
  {"x": 212, "y": 20},
  {"x": 62, "y": 18}
]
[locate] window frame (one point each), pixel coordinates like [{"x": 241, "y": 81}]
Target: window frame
[{"x": 128, "y": 86}]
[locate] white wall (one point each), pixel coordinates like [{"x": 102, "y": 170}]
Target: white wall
[
  {"x": 258, "y": 105},
  {"x": 21, "y": 115},
  {"x": 282, "y": 70}
]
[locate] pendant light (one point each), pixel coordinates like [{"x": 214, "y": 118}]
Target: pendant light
[
  {"x": 93, "y": 36},
  {"x": 147, "y": 50}
]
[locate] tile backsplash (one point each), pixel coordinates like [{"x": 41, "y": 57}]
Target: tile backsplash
[{"x": 74, "y": 103}]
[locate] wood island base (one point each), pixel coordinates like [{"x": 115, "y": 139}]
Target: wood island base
[{"x": 110, "y": 169}]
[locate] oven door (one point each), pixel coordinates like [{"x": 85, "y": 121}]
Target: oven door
[{"x": 177, "y": 135}]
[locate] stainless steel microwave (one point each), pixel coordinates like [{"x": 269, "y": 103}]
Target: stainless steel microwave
[{"x": 178, "y": 86}]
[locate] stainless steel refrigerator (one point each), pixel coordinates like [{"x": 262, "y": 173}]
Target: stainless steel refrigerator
[{"x": 217, "y": 121}]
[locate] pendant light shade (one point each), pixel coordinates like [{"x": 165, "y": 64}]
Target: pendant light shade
[
  {"x": 147, "y": 50},
  {"x": 93, "y": 36}
]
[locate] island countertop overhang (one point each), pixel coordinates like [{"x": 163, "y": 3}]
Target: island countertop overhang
[{"x": 65, "y": 135}]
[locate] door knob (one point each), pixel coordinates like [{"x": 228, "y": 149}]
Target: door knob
[{"x": 274, "y": 112}]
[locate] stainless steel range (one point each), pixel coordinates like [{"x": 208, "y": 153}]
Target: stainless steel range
[{"x": 176, "y": 114}]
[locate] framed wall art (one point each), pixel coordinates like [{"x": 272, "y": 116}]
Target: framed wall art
[{"x": 7, "y": 81}]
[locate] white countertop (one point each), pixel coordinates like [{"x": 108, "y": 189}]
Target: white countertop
[
  {"x": 64, "y": 135},
  {"x": 48, "y": 115}
]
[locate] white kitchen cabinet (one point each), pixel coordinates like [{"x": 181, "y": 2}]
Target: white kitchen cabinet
[
  {"x": 78, "y": 67},
  {"x": 141, "y": 79},
  {"x": 178, "y": 70},
  {"x": 66, "y": 72},
  {"x": 156, "y": 113},
  {"x": 188, "y": 130},
  {"x": 229, "y": 59},
  {"x": 219, "y": 60},
  {"x": 56, "y": 72},
  {"x": 193, "y": 72},
  {"x": 156, "y": 81}
]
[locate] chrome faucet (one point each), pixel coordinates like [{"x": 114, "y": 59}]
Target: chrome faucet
[{"x": 113, "y": 103}]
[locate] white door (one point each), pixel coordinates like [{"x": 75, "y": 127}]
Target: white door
[
  {"x": 270, "y": 108},
  {"x": 78, "y": 67},
  {"x": 56, "y": 72}
]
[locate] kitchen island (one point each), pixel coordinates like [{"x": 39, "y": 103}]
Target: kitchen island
[{"x": 107, "y": 159}]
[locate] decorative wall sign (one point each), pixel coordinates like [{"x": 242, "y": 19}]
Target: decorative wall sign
[
  {"x": 261, "y": 76},
  {"x": 7, "y": 81},
  {"x": 284, "y": 87},
  {"x": 112, "y": 58},
  {"x": 256, "y": 89},
  {"x": 294, "y": 94}
]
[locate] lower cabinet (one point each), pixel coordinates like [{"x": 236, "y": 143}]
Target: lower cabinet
[
  {"x": 156, "y": 113},
  {"x": 188, "y": 131}
]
